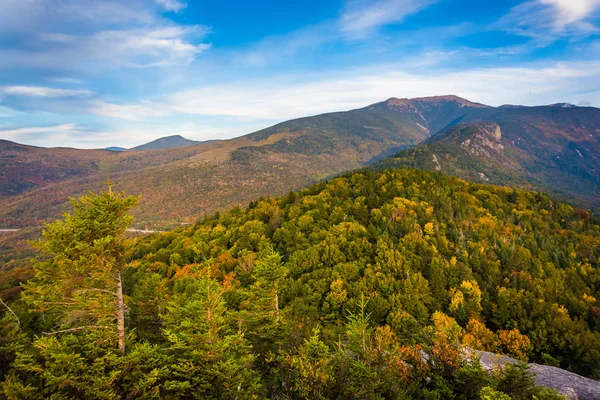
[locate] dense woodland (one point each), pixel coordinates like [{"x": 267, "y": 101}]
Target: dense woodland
[{"x": 367, "y": 286}]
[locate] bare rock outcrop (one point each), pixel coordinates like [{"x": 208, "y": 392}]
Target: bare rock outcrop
[
  {"x": 488, "y": 138},
  {"x": 570, "y": 385}
]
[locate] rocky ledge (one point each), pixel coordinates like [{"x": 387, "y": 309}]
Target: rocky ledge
[{"x": 571, "y": 385}]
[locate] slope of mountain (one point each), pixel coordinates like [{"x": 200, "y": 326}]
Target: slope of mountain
[
  {"x": 518, "y": 270},
  {"x": 537, "y": 148},
  {"x": 166, "y": 142},
  {"x": 177, "y": 184},
  {"x": 26, "y": 167},
  {"x": 554, "y": 148}
]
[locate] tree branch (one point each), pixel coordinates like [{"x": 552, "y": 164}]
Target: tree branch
[
  {"x": 78, "y": 329},
  {"x": 97, "y": 290},
  {"x": 12, "y": 312}
]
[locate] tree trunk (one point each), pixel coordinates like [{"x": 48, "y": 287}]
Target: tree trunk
[
  {"x": 277, "y": 306},
  {"x": 120, "y": 314}
]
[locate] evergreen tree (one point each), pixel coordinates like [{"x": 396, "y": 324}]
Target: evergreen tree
[
  {"x": 206, "y": 360},
  {"x": 80, "y": 288},
  {"x": 260, "y": 314},
  {"x": 269, "y": 273}
]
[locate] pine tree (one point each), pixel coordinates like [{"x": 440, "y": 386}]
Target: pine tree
[{"x": 80, "y": 288}]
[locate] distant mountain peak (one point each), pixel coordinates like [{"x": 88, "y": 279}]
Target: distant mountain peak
[
  {"x": 433, "y": 100},
  {"x": 115, "y": 148},
  {"x": 166, "y": 142}
]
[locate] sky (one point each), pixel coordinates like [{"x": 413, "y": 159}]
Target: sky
[{"x": 98, "y": 73}]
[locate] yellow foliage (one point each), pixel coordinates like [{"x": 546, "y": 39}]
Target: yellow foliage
[
  {"x": 467, "y": 295},
  {"x": 338, "y": 295},
  {"x": 478, "y": 336},
  {"x": 445, "y": 326},
  {"x": 429, "y": 229},
  {"x": 589, "y": 299},
  {"x": 514, "y": 344},
  {"x": 458, "y": 299}
]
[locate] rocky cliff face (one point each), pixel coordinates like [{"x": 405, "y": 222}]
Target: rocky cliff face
[{"x": 486, "y": 138}]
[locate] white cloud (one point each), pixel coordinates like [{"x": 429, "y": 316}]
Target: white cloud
[
  {"x": 39, "y": 91},
  {"x": 570, "y": 11},
  {"x": 133, "y": 112},
  {"x": 7, "y": 112},
  {"x": 146, "y": 48},
  {"x": 548, "y": 20},
  {"x": 172, "y": 5},
  {"x": 29, "y": 16},
  {"x": 71, "y": 81},
  {"x": 132, "y": 48},
  {"x": 279, "y": 100},
  {"x": 362, "y": 17},
  {"x": 92, "y": 35},
  {"x": 38, "y": 129}
]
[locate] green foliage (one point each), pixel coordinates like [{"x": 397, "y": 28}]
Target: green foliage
[
  {"x": 204, "y": 359},
  {"x": 362, "y": 287},
  {"x": 487, "y": 393},
  {"x": 78, "y": 288}
]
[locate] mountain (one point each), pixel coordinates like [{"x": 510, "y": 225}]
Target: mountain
[
  {"x": 553, "y": 148},
  {"x": 177, "y": 184},
  {"x": 115, "y": 148},
  {"x": 26, "y": 167},
  {"x": 166, "y": 142},
  {"x": 542, "y": 148}
]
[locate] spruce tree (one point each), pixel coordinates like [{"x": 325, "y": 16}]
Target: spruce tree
[
  {"x": 207, "y": 359},
  {"x": 80, "y": 288},
  {"x": 261, "y": 315}
]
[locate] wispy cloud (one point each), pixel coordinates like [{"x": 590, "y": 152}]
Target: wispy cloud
[
  {"x": 271, "y": 100},
  {"x": 147, "y": 48},
  {"x": 96, "y": 34},
  {"x": 7, "y": 133},
  {"x": 363, "y": 17},
  {"x": 70, "y": 81},
  {"x": 359, "y": 22},
  {"x": 548, "y": 20},
  {"x": 172, "y": 5},
  {"x": 50, "y": 136},
  {"x": 133, "y": 112},
  {"x": 39, "y": 91},
  {"x": 40, "y": 15},
  {"x": 133, "y": 48},
  {"x": 571, "y": 11}
]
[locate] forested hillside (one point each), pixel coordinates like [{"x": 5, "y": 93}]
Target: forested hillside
[
  {"x": 365, "y": 286},
  {"x": 558, "y": 155}
]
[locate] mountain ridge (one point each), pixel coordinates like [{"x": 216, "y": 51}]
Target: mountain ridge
[{"x": 292, "y": 154}]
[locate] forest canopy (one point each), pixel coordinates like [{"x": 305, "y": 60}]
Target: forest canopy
[{"x": 365, "y": 286}]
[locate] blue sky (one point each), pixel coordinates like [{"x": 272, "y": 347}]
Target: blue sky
[{"x": 96, "y": 73}]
